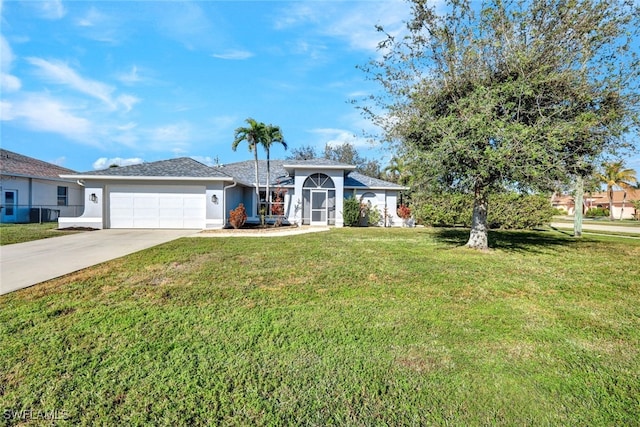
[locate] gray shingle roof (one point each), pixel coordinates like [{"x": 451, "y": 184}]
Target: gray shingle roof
[
  {"x": 16, "y": 164},
  {"x": 184, "y": 167},
  {"x": 357, "y": 180},
  {"x": 244, "y": 172}
]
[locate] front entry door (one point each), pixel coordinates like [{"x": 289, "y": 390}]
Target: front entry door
[
  {"x": 319, "y": 207},
  {"x": 9, "y": 204}
]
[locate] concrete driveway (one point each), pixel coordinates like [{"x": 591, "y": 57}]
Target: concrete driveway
[{"x": 26, "y": 264}]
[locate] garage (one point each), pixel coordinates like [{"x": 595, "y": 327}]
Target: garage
[{"x": 157, "y": 206}]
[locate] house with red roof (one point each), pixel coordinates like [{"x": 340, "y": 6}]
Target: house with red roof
[{"x": 622, "y": 202}]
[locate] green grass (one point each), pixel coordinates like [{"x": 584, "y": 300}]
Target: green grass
[
  {"x": 632, "y": 223},
  {"x": 20, "y": 233},
  {"x": 351, "y": 327}
]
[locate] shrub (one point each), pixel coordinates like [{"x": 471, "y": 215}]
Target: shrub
[
  {"x": 375, "y": 217},
  {"x": 277, "y": 207},
  {"x": 351, "y": 212},
  {"x": 238, "y": 216},
  {"x": 404, "y": 212},
  {"x": 445, "y": 210},
  {"x": 596, "y": 212},
  {"x": 506, "y": 210},
  {"x": 512, "y": 211}
]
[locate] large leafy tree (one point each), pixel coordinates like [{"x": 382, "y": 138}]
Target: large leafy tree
[
  {"x": 272, "y": 135},
  {"x": 253, "y": 135},
  {"x": 306, "y": 152},
  {"x": 508, "y": 93},
  {"x": 348, "y": 154},
  {"x": 615, "y": 175}
]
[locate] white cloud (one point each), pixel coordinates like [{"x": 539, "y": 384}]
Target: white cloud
[
  {"x": 225, "y": 122},
  {"x": 334, "y": 137},
  {"x": 128, "y": 101},
  {"x": 42, "y": 113},
  {"x": 8, "y": 82},
  {"x": 174, "y": 137},
  {"x": 105, "y": 162},
  {"x": 51, "y": 9},
  {"x": 131, "y": 77},
  {"x": 60, "y": 73},
  {"x": 187, "y": 23},
  {"x": 207, "y": 160},
  {"x": 233, "y": 55},
  {"x": 91, "y": 19},
  {"x": 350, "y": 21},
  {"x": 60, "y": 161}
]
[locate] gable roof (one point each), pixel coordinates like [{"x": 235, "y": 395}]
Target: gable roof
[
  {"x": 19, "y": 165},
  {"x": 357, "y": 180},
  {"x": 183, "y": 167},
  {"x": 282, "y": 173},
  {"x": 186, "y": 168},
  {"x": 245, "y": 172}
]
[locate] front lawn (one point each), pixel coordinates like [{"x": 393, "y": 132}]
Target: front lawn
[
  {"x": 350, "y": 327},
  {"x": 20, "y": 233}
]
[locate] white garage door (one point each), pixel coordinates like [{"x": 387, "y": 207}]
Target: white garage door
[{"x": 157, "y": 207}]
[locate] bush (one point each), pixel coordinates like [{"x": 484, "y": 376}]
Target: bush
[
  {"x": 597, "y": 212},
  {"x": 444, "y": 210},
  {"x": 506, "y": 210},
  {"x": 238, "y": 216},
  {"x": 351, "y": 212},
  {"x": 404, "y": 212},
  {"x": 375, "y": 217}
]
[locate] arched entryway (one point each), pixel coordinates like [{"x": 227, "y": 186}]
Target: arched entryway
[{"x": 319, "y": 200}]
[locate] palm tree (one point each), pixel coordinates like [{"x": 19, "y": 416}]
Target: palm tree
[
  {"x": 272, "y": 134},
  {"x": 253, "y": 134},
  {"x": 615, "y": 175}
]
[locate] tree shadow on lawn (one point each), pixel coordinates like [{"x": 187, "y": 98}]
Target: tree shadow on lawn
[{"x": 515, "y": 241}]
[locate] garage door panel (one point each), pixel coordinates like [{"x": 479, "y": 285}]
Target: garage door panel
[
  {"x": 157, "y": 207},
  {"x": 166, "y": 213}
]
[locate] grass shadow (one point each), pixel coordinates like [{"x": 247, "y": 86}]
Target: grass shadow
[{"x": 531, "y": 241}]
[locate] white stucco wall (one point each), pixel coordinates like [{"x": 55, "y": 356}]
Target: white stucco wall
[
  {"x": 96, "y": 213},
  {"x": 382, "y": 199},
  {"x": 41, "y": 193},
  {"x": 337, "y": 175}
]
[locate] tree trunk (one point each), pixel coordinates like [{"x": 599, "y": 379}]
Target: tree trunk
[
  {"x": 255, "y": 156},
  {"x": 611, "y": 204},
  {"x": 624, "y": 200},
  {"x": 577, "y": 209},
  {"x": 478, "y": 238},
  {"x": 267, "y": 193}
]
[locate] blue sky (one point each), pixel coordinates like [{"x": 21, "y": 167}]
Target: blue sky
[{"x": 87, "y": 84}]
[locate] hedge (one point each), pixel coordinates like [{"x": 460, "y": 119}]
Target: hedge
[{"x": 506, "y": 210}]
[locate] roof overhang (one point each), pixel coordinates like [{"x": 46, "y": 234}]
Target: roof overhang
[
  {"x": 353, "y": 187},
  {"x": 147, "y": 178},
  {"x": 61, "y": 178}
]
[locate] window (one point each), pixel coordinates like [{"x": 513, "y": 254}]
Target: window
[{"x": 63, "y": 196}]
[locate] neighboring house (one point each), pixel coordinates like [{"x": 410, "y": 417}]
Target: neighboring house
[
  {"x": 622, "y": 202},
  {"x": 183, "y": 193},
  {"x": 33, "y": 191}
]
